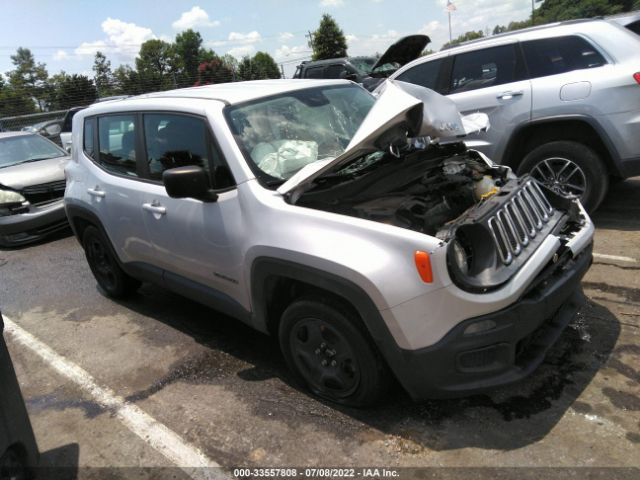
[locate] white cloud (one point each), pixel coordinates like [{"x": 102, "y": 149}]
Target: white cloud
[
  {"x": 286, "y": 52},
  {"x": 331, "y": 3},
  {"x": 285, "y": 36},
  {"x": 242, "y": 51},
  {"x": 60, "y": 55},
  {"x": 244, "y": 38},
  {"x": 196, "y": 17},
  {"x": 123, "y": 40},
  {"x": 371, "y": 44}
]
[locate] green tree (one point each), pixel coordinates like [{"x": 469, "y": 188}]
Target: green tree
[
  {"x": 465, "y": 37},
  {"x": 259, "y": 67},
  {"x": 188, "y": 50},
  {"x": 103, "y": 76},
  {"x": 214, "y": 71},
  {"x": 499, "y": 29},
  {"x": 29, "y": 79},
  {"x": 328, "y": 40},
  {"x": 156, "y": 65},
  {"x": 13, "y": 102},
  {"x": 127, "y": 81},
  {"x": 72, "y": 91}
]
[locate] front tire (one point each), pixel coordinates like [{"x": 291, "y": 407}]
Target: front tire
[
  {"x": 104, "y": 266},
  {"x": 570, "y": 169},
  {"x": 327, "y": 351}
]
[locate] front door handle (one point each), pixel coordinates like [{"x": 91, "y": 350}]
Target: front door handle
[
  {"x": 510, "y": 95},
  {"x": 155, "y": 208},
  {"x": 96, "y": 192}
]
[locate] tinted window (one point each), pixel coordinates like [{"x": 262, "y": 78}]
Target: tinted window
[
  {"x": 551, "y": 56},
  {"x": 174, "y": 141},
  {"x": 634, "y": 27},
  {"x": 117, "y": 143},
  {"x": 334, "y": 71},
  {"x": 315, "y": 72},
  {"x": 424, "y": 74},
  {"x": 87, "y": 141},
  {"x": 483, "y": 68}
]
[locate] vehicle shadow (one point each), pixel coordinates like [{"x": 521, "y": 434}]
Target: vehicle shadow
[
  {"x": 620, "y": 210},
  {"x": 243, "y": 360},
  {"x": 58, "y": 235},
  {"x": 59, "y": 463}
]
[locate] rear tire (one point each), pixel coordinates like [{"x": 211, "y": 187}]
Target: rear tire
[
  {"x": 104, "y": 265},
  {"x": 327, "y": 351},
  {"x": 569, "y": 168}
]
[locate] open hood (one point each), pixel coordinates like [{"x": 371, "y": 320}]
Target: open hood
[
  {"x": 402, "y": 111},
  {"x": 404, "y": 50}
]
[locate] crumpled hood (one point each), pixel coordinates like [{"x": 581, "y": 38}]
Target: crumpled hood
[
  {"x": 24, "y": 175},
  {"x": 402, "y": 111}
]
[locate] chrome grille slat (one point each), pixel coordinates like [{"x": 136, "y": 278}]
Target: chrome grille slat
[{"x": 519, "y": 220}]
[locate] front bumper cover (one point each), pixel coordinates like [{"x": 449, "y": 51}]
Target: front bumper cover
[
  {"x": 462, "y": 364},
  {"x": 31, "y": 226}
]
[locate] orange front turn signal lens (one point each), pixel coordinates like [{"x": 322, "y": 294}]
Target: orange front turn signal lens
[{"x": 423, "y": 264}]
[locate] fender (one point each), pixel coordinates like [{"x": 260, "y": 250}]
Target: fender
[{"x": 592, "y": 122}]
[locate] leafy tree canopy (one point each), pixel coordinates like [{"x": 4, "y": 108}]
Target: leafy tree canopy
[{"x": 328, "y": 41}]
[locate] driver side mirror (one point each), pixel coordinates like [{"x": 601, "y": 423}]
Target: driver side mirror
[{"x": 188, "y": 182}]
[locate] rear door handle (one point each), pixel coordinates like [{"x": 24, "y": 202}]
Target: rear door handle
[
  {"x": 155, "y": 208},
  {"x": 510, "y": 95},
  {"x": 96, "y": 192}
]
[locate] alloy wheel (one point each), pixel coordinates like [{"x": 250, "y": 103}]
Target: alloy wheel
[{"x": 561, "y": 175}]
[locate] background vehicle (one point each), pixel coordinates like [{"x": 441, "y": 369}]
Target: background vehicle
[
  {"x": 310, "y": 211},
  {"x": 629, "y": 20},
  {"x": 32, "y": 185},
  {"x": 18, "y": 449},
  {"x": 562, "y": 100},
  {"x": 369, "y": 71}
]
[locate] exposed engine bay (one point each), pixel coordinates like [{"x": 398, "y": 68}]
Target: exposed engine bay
[
  {"x": 491, "y": 220},
  {"x": 422, "y": 189}
]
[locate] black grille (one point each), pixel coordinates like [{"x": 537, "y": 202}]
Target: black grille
[
  {"x": 519, "y": 221},
  {"x": 44, "y": 193}
]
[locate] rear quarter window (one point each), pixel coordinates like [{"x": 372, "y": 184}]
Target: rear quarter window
[
  {"x": 88, "y": 143},
  {"x": 425, "y": 74},
  {"x": 552, "y": 56}
]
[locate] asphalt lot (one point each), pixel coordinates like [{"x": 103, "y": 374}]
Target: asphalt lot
[{"x": 223, "y": 389}]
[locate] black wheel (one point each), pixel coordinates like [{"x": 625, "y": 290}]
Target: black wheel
[
  {"x": 569, "y": 168},
  {"x": 104, "y": 265},
  {"x": 327, "y": 352},
  {"x": 12, "y": 466}
]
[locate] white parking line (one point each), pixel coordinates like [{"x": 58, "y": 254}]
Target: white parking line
[
  {"x": 615, "y": 257},
  {"x": 164, "y": 440}
]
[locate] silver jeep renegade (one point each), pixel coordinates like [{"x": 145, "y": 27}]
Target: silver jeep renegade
[{"x": 360, "y": 231}]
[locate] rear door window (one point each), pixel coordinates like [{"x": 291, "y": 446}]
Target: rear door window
[
  {"x": 552, "y": 56},
  {"x": 483, "y": 68},
  {"x": 334, "y": 71},
  {"x": 424, "y": 74},
  {"x": 117, "y": 140}
]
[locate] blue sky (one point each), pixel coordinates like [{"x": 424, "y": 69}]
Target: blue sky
[{"x": 65, "y": 34}]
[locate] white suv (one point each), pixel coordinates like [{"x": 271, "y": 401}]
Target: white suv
[
  {"x": 563, "y": 101},
  {"x": 311, "y": 211}
]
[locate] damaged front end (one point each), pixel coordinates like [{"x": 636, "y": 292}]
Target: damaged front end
[{"x": 489, "y": 220}]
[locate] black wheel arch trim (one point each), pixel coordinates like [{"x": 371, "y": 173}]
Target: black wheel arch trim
[
  {"x": 265, "y": 267},
  {"x": 592, "y": 122}
]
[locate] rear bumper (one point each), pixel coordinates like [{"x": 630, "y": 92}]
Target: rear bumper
[
  {"x": 462, "y": 364},
  {"x": 31, "y": 226}
]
